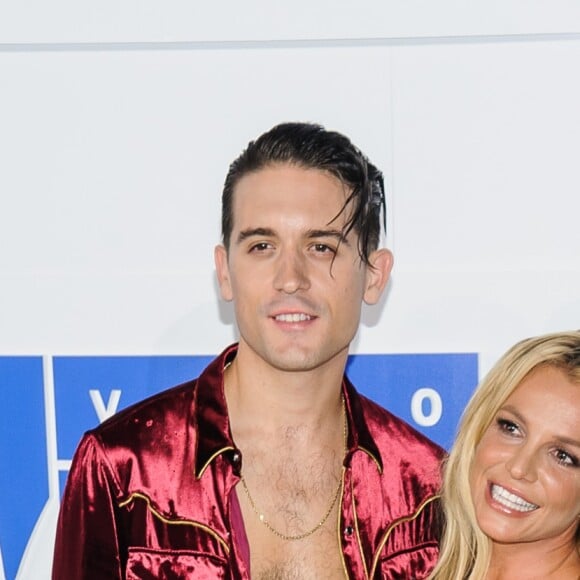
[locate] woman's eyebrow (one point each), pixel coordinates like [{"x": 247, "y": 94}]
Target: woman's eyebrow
[
  {"x": 567, "y": 440},
  {"x": 560, "y": 438},
  {"x": 511, "y": 409}
]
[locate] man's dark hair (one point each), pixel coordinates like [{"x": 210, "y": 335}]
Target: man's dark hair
[{"x": 313, "y": 147}]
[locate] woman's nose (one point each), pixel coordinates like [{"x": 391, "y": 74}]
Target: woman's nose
[{"x": 522, "y": 464}]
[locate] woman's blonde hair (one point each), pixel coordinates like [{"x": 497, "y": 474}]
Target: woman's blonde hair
[{"x": 465, "y": 549}]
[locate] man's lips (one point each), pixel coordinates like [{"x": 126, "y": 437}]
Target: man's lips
[{"x": 292, "y": 317}]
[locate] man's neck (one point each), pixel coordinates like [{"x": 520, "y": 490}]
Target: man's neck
[{"x": 279, "y": 400}]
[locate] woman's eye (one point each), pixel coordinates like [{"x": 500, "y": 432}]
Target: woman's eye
[
  {"x": 507, "y": 426},
  {"x": 565, "y": 458}
]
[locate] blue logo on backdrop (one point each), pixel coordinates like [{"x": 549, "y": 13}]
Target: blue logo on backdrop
[
  {"x": 90, "y": 389},
  {"x": 23, "y": 456},
  {"x": 428, "y": 391}
]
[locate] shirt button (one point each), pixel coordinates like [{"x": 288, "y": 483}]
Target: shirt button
[
  {"x": 236, "y": 458},
  {"x": 348, "y": 531}
]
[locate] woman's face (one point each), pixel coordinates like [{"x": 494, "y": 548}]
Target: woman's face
[{"x": 525, "y": 477}]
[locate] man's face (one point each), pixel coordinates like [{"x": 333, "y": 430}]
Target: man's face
[{"x": 296, "y": 283}]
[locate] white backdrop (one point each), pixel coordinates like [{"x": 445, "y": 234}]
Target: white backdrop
[{"x": 118, "y": 123}]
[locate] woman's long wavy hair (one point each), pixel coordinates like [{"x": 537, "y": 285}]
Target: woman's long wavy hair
[{"x": 465, "y": 549}]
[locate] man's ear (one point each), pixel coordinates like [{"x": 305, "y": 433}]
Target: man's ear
[
  {"x": 222, "y": 269},
  {"x": 377, "y": 275}
]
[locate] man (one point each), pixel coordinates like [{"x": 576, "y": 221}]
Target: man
[{"x": 269, "y": 465}]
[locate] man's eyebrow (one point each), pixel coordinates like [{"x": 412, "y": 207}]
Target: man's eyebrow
[
  {"x": 337, "y": 234},
  {"x": 251, "y": 232}
]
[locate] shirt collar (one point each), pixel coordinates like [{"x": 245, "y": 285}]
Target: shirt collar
[
  {"x": 214, "y": 435},
  {"x": 359, "y": 437}
]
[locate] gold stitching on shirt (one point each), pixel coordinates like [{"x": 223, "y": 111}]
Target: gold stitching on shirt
[
  {"x": 394, "y": 525},
  {"x": 165, "y": 520},
  {"x": 218, "y": 452},
  {"x": 373, "y": 458}
]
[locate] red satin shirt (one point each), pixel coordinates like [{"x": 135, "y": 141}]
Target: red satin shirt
[{"x": 151, "y": 493}]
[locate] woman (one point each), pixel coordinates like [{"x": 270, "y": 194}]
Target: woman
[{"x": 511, "y": 490}]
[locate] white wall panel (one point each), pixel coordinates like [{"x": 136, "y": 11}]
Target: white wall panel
[
  {"x": 486, "y": 186},
  {"x": 136, "y": 21}
]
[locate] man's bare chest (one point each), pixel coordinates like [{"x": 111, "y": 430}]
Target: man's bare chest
[{"x": 290, "y": 513}]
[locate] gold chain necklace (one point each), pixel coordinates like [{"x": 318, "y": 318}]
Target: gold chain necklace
[{"x": 263, "y": 519}]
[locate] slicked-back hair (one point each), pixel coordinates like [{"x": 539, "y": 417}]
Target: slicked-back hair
[{"x": 311, "y": 146}]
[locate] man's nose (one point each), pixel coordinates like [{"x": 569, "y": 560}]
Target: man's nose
[{"x": 291, "y": 272}]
